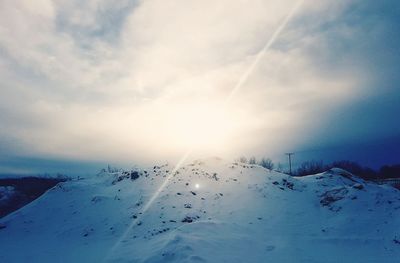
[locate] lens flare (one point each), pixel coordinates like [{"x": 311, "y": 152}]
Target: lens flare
[{"x": 198, "y": 134}]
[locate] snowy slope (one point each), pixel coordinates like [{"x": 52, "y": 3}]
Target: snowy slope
[{"x": 209, "y": 211}]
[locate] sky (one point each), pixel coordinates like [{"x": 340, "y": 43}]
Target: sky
[{"x": 84, "y": 84}]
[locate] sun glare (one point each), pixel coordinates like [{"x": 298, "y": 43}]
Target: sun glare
[{"x": 202, "y": 127}]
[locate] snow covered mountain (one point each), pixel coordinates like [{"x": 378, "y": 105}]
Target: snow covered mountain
[{"x": 207, "y": 211}]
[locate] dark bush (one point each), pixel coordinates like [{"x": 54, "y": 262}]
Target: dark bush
[
  {"x": 389, "y": 171},
  {"x": 266, "y": 163},
  {"x": 310, "y": 167},
  {"x": 354, "y": 168}
]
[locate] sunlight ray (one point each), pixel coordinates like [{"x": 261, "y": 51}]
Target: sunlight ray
[
  {"x": 262, "y": 52},
  {"x": 148, "y": 204},
  {"x": 239, "y": 84}
]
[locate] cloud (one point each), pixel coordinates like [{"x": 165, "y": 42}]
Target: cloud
[{"x": 144, "y": 80}]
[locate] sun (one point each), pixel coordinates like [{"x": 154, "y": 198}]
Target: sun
[{"x": 202, "y": 126}]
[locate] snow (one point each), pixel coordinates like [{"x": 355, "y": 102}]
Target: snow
[{"x": 210, "y": 211}]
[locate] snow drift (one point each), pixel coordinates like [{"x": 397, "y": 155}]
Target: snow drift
[{"x": 209, "y": 211}]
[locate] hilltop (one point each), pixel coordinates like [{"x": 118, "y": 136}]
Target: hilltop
[{"x": 209, "y": 211}]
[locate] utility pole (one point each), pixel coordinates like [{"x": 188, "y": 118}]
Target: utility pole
[{"x": 290, "y": 162}]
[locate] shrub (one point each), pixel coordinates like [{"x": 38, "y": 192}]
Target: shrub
[
  {"x": 355, "y": 168},
  {"x": 252, "y": 160},
  {"x": 310, "y": 167},
  {"x": 266, "y": 163},
  {"x": 389, "y": 171},
  {"x": 242, "y": 159}
]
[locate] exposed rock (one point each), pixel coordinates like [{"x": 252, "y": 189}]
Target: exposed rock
[
  {"x": 358, "y": 186},
  {"x": 134, "y": 175},
  {"x": 332, "y": 196}
]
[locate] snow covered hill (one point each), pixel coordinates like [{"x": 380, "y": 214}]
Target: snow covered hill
[{"x": 209, "y": 211}]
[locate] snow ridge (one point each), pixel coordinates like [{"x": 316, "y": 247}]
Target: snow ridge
[{"x": 210, "y": 211}]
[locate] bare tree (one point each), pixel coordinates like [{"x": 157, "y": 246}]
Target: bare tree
[
  {"x": 310, "y": 167},
  {"x": 266, "y": 163},
  {"x": 252, "y": 160},
  {"x": 242, "y": 159}
]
